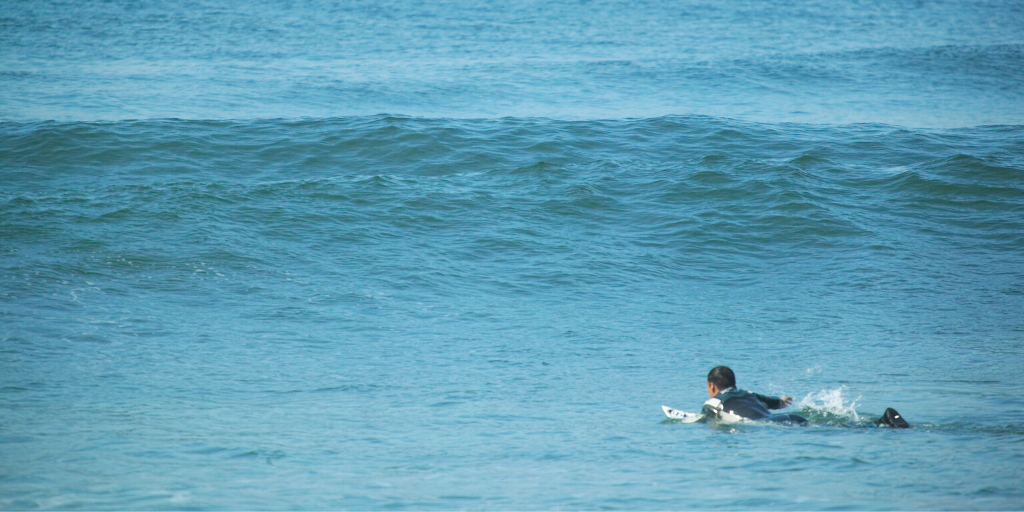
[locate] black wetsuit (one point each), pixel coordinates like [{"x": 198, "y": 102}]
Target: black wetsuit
[{"x": 732, "y": 404}]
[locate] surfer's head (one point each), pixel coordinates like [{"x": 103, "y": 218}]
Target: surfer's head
[{"x": 719, "y": 378}]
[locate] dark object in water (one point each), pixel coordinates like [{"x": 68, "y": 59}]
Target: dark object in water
[
  {"x": 788, "y": 418},
  {"x": 891, "y": 418}
]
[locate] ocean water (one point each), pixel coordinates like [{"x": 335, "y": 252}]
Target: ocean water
[{"x": 456, "y": 255}]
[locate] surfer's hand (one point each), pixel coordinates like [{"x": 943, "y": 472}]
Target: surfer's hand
[{"x": 786, "y": 400}]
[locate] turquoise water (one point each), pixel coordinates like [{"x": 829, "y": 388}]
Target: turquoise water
[{"x": 456, "y": 256}]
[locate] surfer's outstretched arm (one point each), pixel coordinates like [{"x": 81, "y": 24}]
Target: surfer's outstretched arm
[{"x": 774, "y": 403}]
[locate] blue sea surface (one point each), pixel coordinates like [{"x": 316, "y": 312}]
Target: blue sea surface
[{"x": 457, "y": 255}]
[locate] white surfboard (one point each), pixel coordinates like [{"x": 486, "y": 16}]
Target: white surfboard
[{"x": 685, "y": 417}]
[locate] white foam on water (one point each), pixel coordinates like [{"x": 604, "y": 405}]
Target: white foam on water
[{"x": 830, "y": 401}]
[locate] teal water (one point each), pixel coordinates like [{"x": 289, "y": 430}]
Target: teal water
[
  {"x": 456, "y": 256},
  {"x": 941, "y": 63},
  {"x": 389, "y": 312}
]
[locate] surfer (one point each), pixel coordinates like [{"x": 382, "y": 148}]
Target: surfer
[{"x": 728, "y": 403}]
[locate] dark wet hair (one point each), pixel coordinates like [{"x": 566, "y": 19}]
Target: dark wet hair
[{"x": 722, "y": 377}]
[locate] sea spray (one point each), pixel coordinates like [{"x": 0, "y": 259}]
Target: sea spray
[{"x": 829, "y": 407}]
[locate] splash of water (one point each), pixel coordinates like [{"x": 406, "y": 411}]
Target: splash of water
[{"x": 829, "y": 406}]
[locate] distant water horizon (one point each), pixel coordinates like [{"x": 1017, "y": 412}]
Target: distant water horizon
[
  {"x": 938, "y": 64},
  {"x": 454, "y": 255}
]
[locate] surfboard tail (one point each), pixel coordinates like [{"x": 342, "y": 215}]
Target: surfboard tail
[{"x": 685, "y": 417}]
